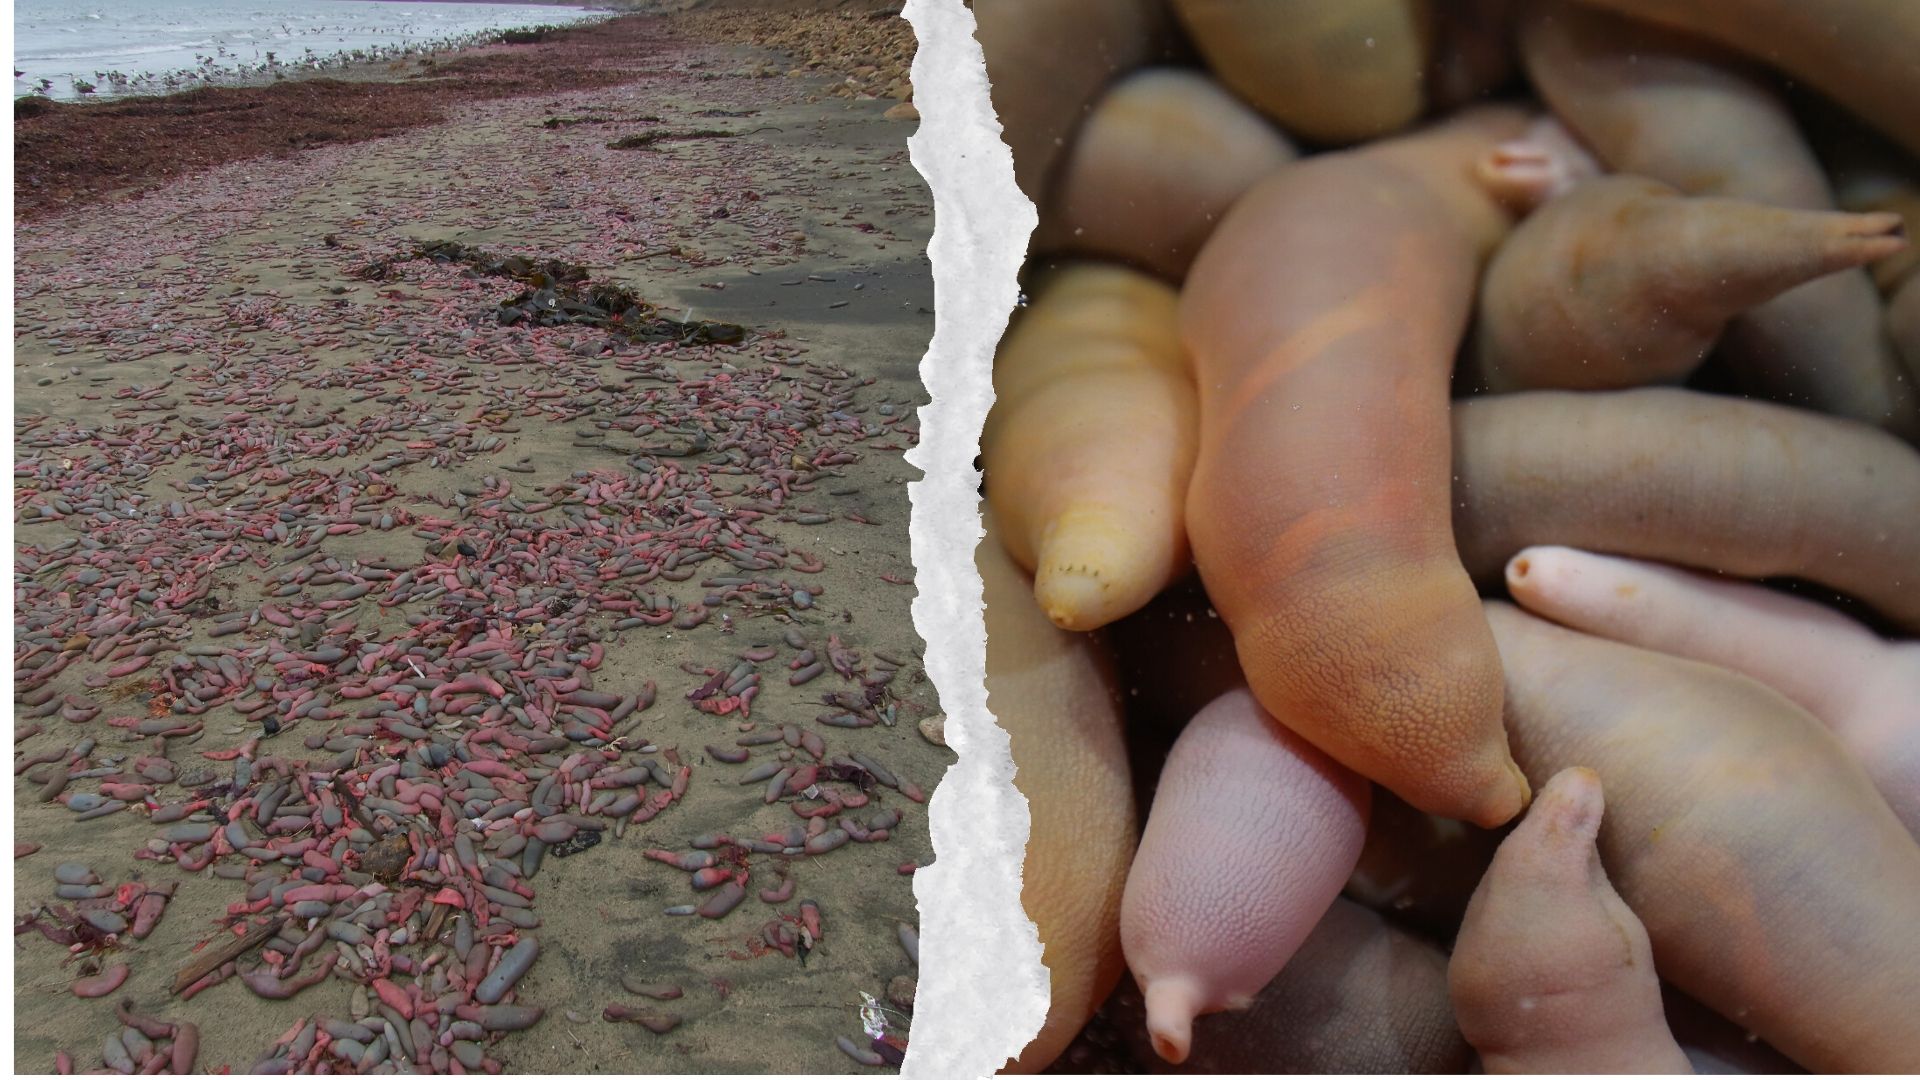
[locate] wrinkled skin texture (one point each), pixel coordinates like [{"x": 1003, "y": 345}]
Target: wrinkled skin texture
[
  {"x": 1552, "y": 972},
  {"x": 1736, "y": 487},
  {"x": 1774, "y": 882},
  {"x": 1052, "y": 693},
  {"x": 1202, "y": 932},
  {"x": 1330, "y": 71},
  {"x": 1360, "y": 996},
  {"x": 1677, "y": 109},
  {"x": 1156, "y": 164},
  {"x": 1623, "y": 282},
  {"x": 1318, "y": 510},
  {"x": 1090, "y": 443},
  {"x": 1865, "y": 689}
]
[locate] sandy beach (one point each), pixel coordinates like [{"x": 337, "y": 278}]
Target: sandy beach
[{"x": 333, "y": 458}]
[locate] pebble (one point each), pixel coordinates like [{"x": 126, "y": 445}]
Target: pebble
[{"x": 934, "y": 729}]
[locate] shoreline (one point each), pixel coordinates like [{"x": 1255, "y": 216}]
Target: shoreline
[
  {"x": 347, "y": 63},
  {"x": 71, "y": 154}
]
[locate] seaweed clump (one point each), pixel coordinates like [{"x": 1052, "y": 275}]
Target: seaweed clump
[
  {"x": 553, "y": 123},
  {"x": 648, "y": 139},
  {"x": 558, "y": 294},
  {"x": 529, "y": 35}
]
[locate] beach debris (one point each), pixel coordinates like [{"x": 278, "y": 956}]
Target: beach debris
[
  {"x": 647, "y": 140},
  {"x": 557, "y": 294},
  {"x": 857, "y": 1052},
  {"x": 934, "y": 728},
  {"x": 873, "y": 1018},
  {"x": 225, "y": 951}
]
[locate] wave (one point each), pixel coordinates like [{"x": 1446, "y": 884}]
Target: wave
[{"x": 108, "y": 52}]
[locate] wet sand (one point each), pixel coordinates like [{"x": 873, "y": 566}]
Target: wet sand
[{"x": 220, "y": 327}]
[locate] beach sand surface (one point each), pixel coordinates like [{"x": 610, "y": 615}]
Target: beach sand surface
[{"x": 238, "y": 289}]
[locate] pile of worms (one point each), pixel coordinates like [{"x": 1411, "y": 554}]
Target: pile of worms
[{"x": 336, "y": 536}]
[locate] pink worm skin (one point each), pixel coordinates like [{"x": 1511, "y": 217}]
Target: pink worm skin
[
  {"x": 102, "y": 984},
  {"x": 1252, "y": 834}
]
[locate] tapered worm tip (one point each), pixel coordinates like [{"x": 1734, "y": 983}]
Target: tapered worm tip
[
  {"x": 1509, "y": 155},
  {"x": 1171, "y": 1004},
  {"x": 1875, "y": 236},
  {"x": 1075, "y": 598},
  {"x": 1883, "y": 223},
  {"x": 1576, "y": 800},
  {"x": 1507, "y": 800},
  {"x": 1171, "y": 1048}
]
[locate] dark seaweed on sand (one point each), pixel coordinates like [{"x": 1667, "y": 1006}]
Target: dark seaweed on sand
[
  {"x": 554, "y": 123},
  {"x": 575, "y": 844},
  {"x": 557, "y": 294},
  {"x": 647, "y": 140},
  {"x": 63, "y": 927}
]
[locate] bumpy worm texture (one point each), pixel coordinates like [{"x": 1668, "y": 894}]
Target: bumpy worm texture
[
  {"x": 1863, "y": 688},
  {"x": 1623, "y": 282},
  {"x": 1335, "y": 71},
  {"x": 1774, "y": 882},
  {"x": 1734, "y": 487},
  {"x": 1318, "y": 509},
  {"x": 1047, "y": 62},
  {"x": 1251, "y": 835},
  {"x": 1360, "y": 996},
  {"x": 1858, "y": 52},
  {"x": 1053, "y": 694},
  {"x": 1552, "y": 972},
  {"x": 1155, "y": 166},
  {"x": 1677, "y": 109},
  {"x": 1090, "y": 445}
]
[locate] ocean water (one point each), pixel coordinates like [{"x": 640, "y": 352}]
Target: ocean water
[{"x": 157, "y": 45}]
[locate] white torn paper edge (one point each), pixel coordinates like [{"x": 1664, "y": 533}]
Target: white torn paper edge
[{"x": 982, "y": 993}]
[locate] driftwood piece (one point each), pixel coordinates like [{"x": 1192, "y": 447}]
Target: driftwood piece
[{"x": 230, "y": 949}]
